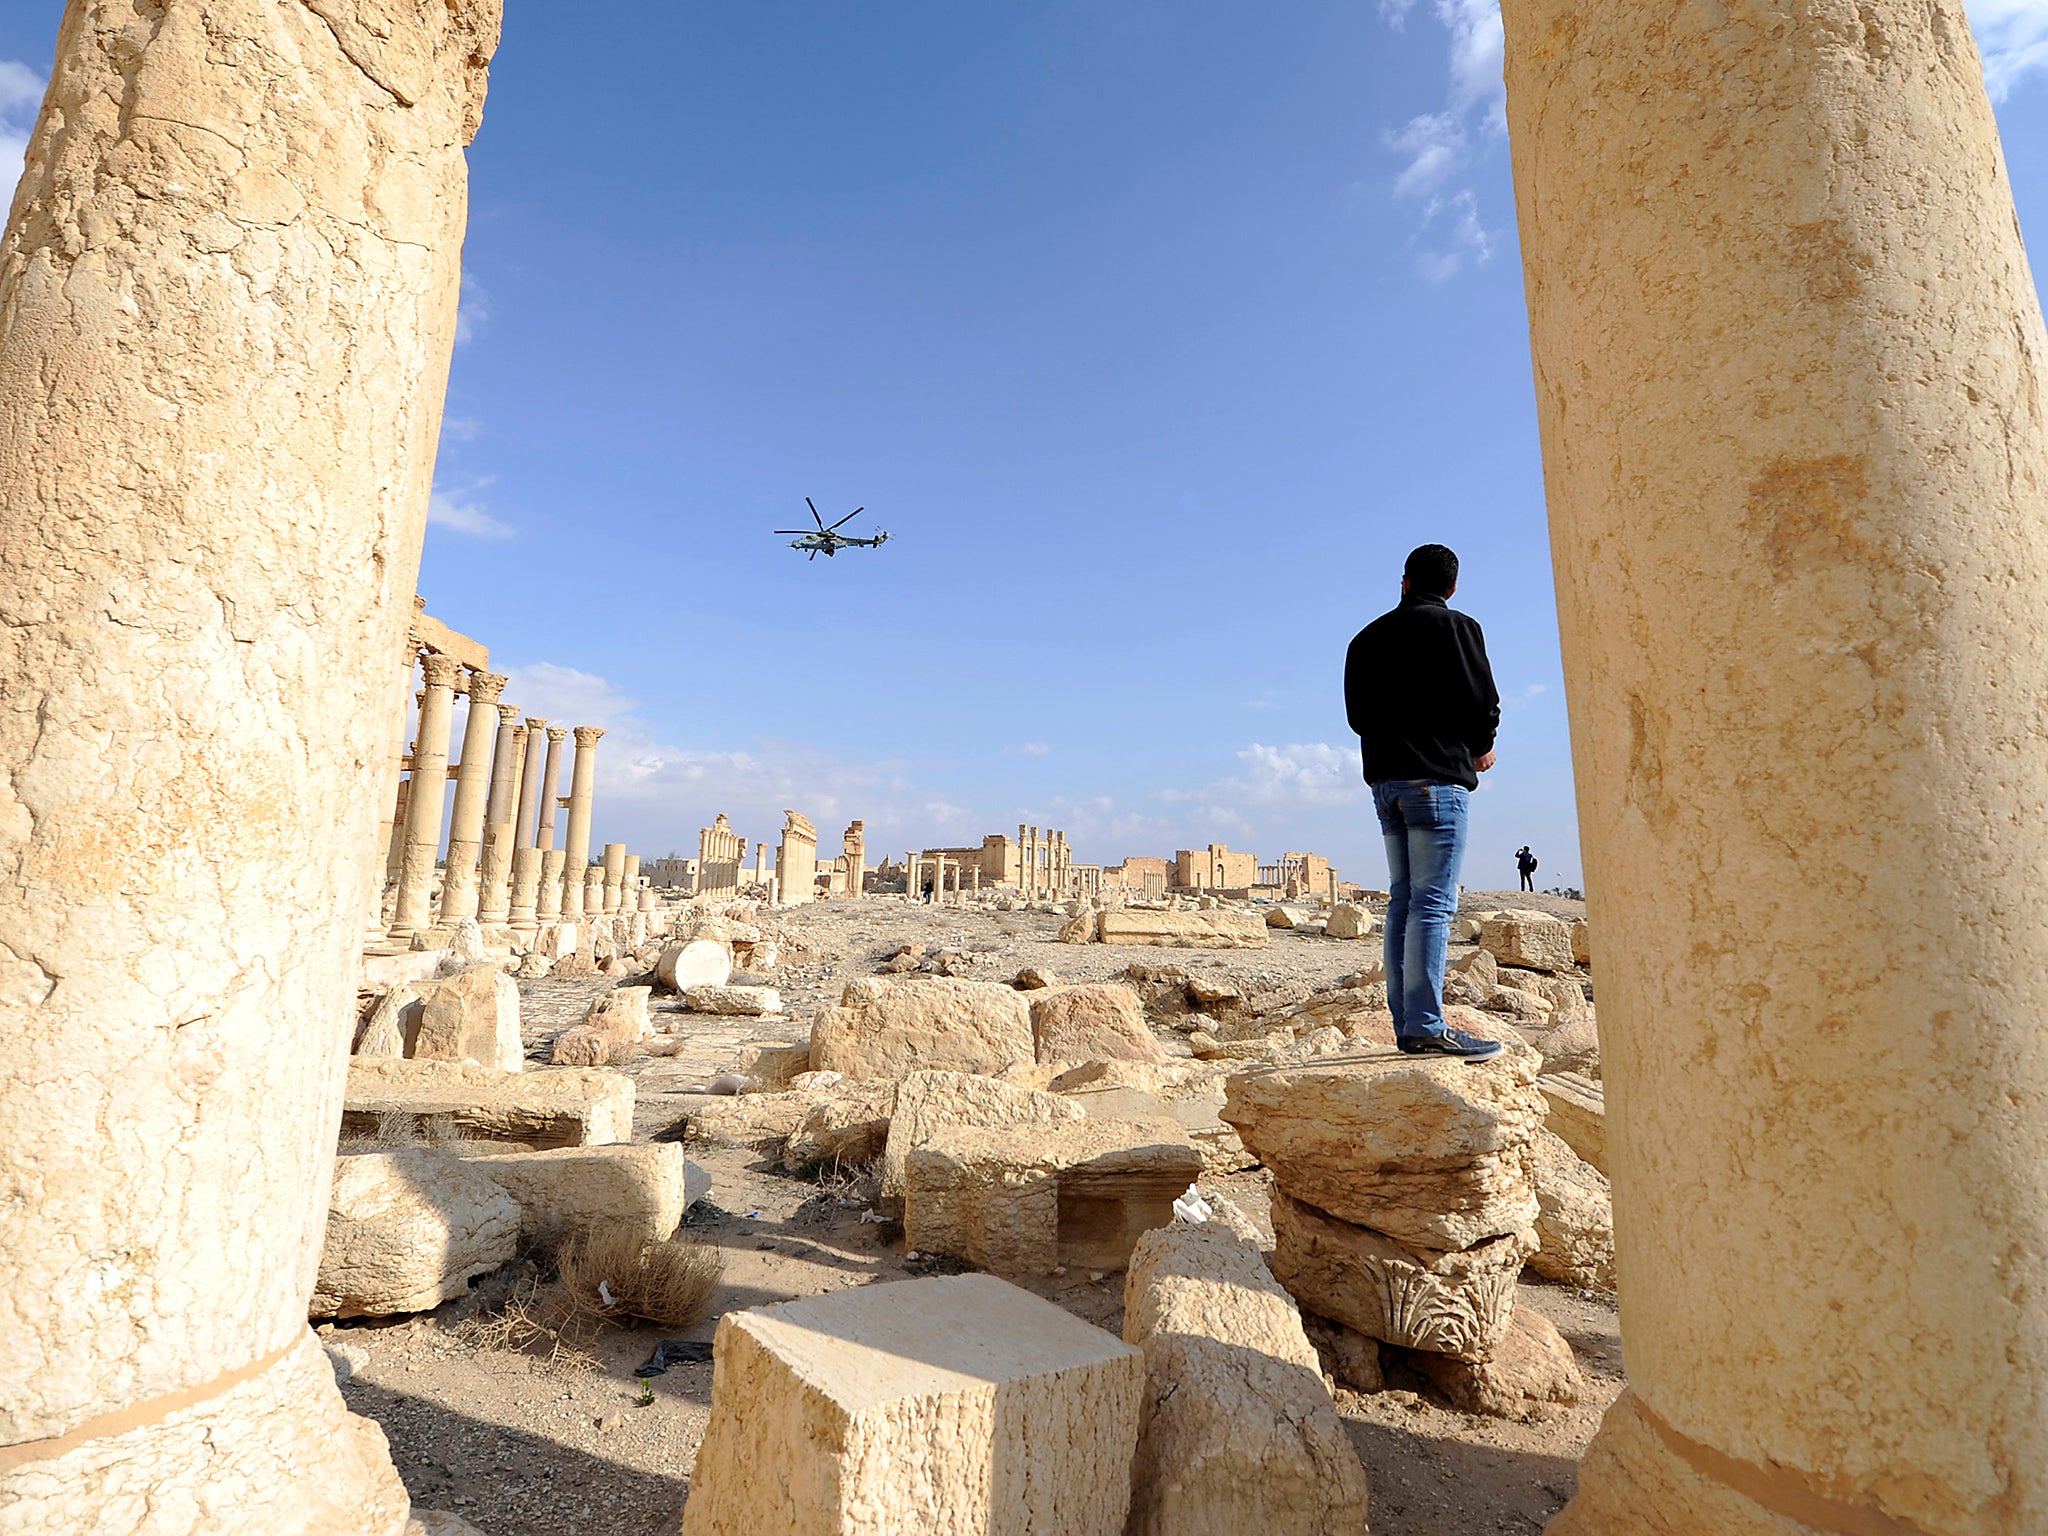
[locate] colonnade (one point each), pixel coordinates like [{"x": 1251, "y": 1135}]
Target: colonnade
[{"x": 1046, "y": 869}]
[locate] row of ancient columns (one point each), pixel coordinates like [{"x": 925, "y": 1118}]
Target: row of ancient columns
[
  {"x": 501, "y": 863},
  {"x": 1047, "y": 863}
]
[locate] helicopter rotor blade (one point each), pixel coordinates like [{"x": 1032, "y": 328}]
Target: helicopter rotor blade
[
  {"x": 814, "y": 513},
  {"x": 807, "y": 533},
  {"x": 856, "y": 512}
]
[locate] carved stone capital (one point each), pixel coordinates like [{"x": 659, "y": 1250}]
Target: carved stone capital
[
  {"x": 484, "y": 687},
  {"x": 507, "y": 713},
  {"x": 556, "y": 732},
  {"x": 442, "y": 671},
  {"x": 586, "y": 735}
]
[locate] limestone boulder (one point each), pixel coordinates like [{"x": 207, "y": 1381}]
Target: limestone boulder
[
  {"x": 1576, "y": 1111},
  {"x": 1348, "y": 1356},
  {"x": 1348, "y": 920},
  {"x": 885, "y": 1027},
  {"x": 408, "y": 1230},
  {"x": 1427, "y": 1151},
  {"x": 1240, "y": 1434},
  {"x": 393, "y": 1024},
  {"x": 471, "y": 1016},
  {"x": 761, "y": 1122},
  {"x": 734, "y": 1002},
  {"x": 588, "y": 1045},
  {"x": 1099, "y": 1022},
  {"x": 939, "y": 1405},
  {"x": 926, "y": 1103},
  {"x": 1027, "y": 1200},
  {"x": 1573, "y": 1047},
  {"x": 1282, "y": 918},
  {"x": 1535, "y": 941},
  {"x": 1567, "y": 998},
  {"x": 1529, "y": 1373},
  {"x": 567, "y": 1108},
  {"x": 695, "y": 963},
  {"x": 771, "y": 1066},
  {"x": 639, "y": 1189},
  {"x": 1081, "y": 928},
  {"x": 1479, "y": 967},
  {"x": 1574, "y": 1218},
  {"x": 847, "y": 1128},
  {"x": 1582, "y": 943},
  {"x": 1218, "y": 929},
  {"x": 1456, "y": 1302}
]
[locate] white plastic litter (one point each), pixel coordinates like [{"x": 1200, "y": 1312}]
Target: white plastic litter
[
  {"x": 875, "y": 1218},
  {"x": 1191, "y": 1207},
  {"x": 604, "y": 1293}
]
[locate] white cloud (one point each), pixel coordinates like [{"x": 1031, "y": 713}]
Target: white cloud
[
  {"x": 1034, "y": 749},
  {"x": 473, "y": 312},
  {"x": 461, "y": 429},
  {"x": 459, "y": 511},
  {"x": 21, "y": 95},
  {"x": 1300, "y": 775},
  {"x": 2013, "y": 37},
  {"x": 1439, "y": 145},
  {"x": 1458, "y": 236}
]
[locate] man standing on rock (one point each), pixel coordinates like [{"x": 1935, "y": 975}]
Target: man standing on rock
[
  {"x": 1419, "y": 693},
  {"x": 1525, "y": 866}
]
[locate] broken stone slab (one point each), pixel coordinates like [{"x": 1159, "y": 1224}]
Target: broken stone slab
[
  {"x": 623, "y": 1009},
  {"x": 1529, "y": 1373},
  {"x": 1574, "y": 1219},
  {"x": 1100, "y": 1021},
  {"x": 613, "y": 1027},
  {"x": 1573, "y": 1047},
  {"x": 845, "y": 1129},
  {"x": 1221, "y": 929},
  {"x": 929, "y": 1102},
  {"x": 695, "y": 963},
  {"x": 639, "y": 1189},
  {"x": 1428, "y": 1151},
  {"x": 392, "y": 1026},
  {"x": 1028, "y": 1200},
  {"x": 1577, "y": 1114},
  {"x": 1565, "y": 994},
  {"x": 941, "y": 1405},
  {"x": 405, "y": 968},
  {"x": 1240, "y": 1433},
  {"x": 1582, "y": 943},
  {"x": 1454, "y": 1303},
  {"x": 1348, "y": 1356},
  {"x": 1535, "y": 941},
  {"x": 566, "y": 1107},
  {"x": 770, "y": 1066},
  {"x": 760, "y": 1122},
  {"x": 734, "y": 1002},
  {"x": 1348, "y": 920},
  {"x": 408, "y": 1230},
  {"x": 470, "y": 1016},
  {"x": 1283, "y": 919},
  {"x": 885, "y": 1027}
]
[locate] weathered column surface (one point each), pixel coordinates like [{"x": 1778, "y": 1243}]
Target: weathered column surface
[
  {"x": 393, "y": 801},
  {"x": 614, "y": 875},
  {"x": 524, "y": 901},
  {"x": 227, "y": 298},
  {"x": 429, "y": 798},
  {"x": 593, "y": 890},
  {"x": 1789, "y": 364},
  {"x": 472, "y": 793},
  {"x": 551, "y": 884},
  {"x": 550, "y": 802},
  {"x": 505, "y": 759},
  {"x": 582, "y": 785},
  {"x": 529, "y": 783},
  {"x": 631, "y": 879},
  {"x": 494, "y": 884}
]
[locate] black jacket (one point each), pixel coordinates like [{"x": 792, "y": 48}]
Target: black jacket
[{"x": 1419, "y": 692}]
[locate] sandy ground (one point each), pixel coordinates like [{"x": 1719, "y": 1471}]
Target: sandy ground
[{"x": 522, "y": 1447}]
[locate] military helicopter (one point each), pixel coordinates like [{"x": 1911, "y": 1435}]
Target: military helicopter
[{"x": 828, "y": 541}]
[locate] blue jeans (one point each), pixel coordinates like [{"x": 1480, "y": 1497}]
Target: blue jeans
[{"x": 1424, "y": 825}]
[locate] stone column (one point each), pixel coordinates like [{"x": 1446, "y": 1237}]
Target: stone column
[
  {"x": 1790, "y": 371},
  {"x": 494, "y": 884},
  {"x": 505, "y": 761},
  {"x": 631, "y": 880},
  {"x": 647, "y": 899},
  {"x": 387, "y": 842},
  {"x": 593, "y": 891},
  {"x": 428, "y": 799},
  {"x": 552, "y": 885},
  {"x": 525, "y": 902},
  {"x": 582, "y": 783},
  {"x": 472, "y": 794},
  {"x": 528, "y": 817},
  {"x": 614, "y": 875},
  {"x": 550, "y": 802},
  {"x": 229, "y": 289}
]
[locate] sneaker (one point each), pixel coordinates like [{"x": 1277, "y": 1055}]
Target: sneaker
[{"x": 1451, "y": 1042}]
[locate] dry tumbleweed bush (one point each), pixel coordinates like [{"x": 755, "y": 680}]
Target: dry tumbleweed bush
[{"x": 614, "y": 1276}]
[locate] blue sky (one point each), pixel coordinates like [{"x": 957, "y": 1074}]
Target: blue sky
[{"x": 1155, "y": 331}]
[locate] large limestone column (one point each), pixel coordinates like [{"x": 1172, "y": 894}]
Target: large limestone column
[
  {"x": 501, "y": 833},
  {"x": 576, "y": 849},
  {"x": 505, "y": 760},
  {"x": 614, "y": 875},
  {"x": 394, "y": 801},
  {"x": 550, "y": 803},
  {"x": 472, "y": 794},
  {"x": 529, "y": 784},
  {"x": 227, "y": 298},
  {"x": 1790, "y": 365},
  {"x": 551, "y": 885},
  {"x": 429, "y": 798},
  {"x": 523, "y": 901}
]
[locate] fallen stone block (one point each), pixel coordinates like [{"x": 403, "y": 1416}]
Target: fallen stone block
[
  {"x": 1574, "y": 1219},
  {"x": 1283, "y": 919},
  {"x": 1573, "y": 1047},
  {"x": 1027, "y": 1200},
  {"x": 1529, "y": 1370},
  {"x": 1451, "y": 1303},
  {"x": 1535, "y": 941},
  {"x": 471, "y": 1016},
  {"x": 734, "y": 1002},
  {"x": 569, "y": 1107},
  {"x": 760, "y": 1122},
  {"x": 1348, "y": 1356},
  {"x": 1576, "y": 1114},
  {"x": 1221, "y": 929},
  {"x": 927, "y": 1103},
  {"x": 639, "y": 1189},
  {"x": 408, "y": 1230},
  {"x": 770, "y": 1066},
  {"x": 1566, "y": 996},
  {"x": 695, "y": 963},
  {"x": 393, "y": 1025},
  {"x": 1083, "y": 928},
  {"x": 846, "y": 1129},
  {"x": 1582, "y": 943},
  {"x": 958, "y": 1404},
  {"x": 1350, "y": 921},
  {"x": 884, "y": 1027},
  {"x": 613, "y": 1027},
  {"x": 1098, "y": 1022},
  {"x": 1240, "y": 1434},
  {"x": 1428, "y": 1151}
]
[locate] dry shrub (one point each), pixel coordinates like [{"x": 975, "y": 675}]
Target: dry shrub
[
  {"x": 397, "y": 1129},
  {"x": 534, "y": 1321},
  {"x": 670, "y": 1284}
]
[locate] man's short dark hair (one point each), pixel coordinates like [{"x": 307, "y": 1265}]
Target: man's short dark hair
[{"x": 1432, "y": 571}]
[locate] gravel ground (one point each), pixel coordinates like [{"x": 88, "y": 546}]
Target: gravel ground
[{"x": 521, "y": 1447}]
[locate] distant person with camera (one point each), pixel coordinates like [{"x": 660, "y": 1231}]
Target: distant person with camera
[{"x": 1525, "y": 866}]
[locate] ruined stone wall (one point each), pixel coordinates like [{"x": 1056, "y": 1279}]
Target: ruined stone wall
[{"x": 228, "y": 291}]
